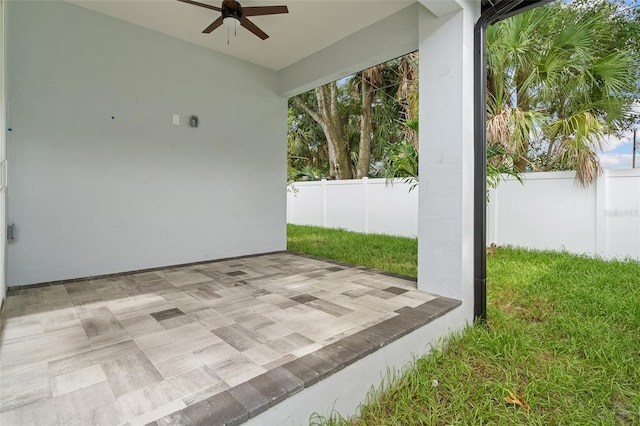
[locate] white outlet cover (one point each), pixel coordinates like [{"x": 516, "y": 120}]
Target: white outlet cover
[{"x": 176, "y": 120}]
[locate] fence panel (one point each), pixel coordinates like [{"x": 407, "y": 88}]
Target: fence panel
[
  {"x": 551, "y": 211},
  {"x": 366, "y": 205},
  {"x": 622, "y": 215}
]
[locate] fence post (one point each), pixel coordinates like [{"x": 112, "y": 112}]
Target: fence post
[
  {"x": 365, "y": 204},
  {"x": 289, "y": 206},
  {"x": 323, "y": 183},
  {"x": 601, "y": 214},
  {"x": 492, "y": 216}
]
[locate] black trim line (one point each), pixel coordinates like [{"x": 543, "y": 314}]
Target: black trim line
[{"x": 501, "y": 10}]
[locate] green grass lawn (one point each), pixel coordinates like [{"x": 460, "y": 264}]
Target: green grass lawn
[
  {"x": 563, "y": 332},
  {"x": 393, "y": 254}
]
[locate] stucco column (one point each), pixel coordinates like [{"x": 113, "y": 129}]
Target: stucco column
[{"x": 445, "y": 231}]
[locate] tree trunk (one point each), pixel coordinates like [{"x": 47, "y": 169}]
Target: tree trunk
[
  {"x": 366, "y": 130},
  {"x": 520, "y": 163},
  {"x": 548, "y": 162},
  {"x": 328, "y": 117},
  {"x": 327, "y": 96}
]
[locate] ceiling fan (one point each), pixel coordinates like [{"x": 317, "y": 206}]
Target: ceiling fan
[{"x": 234, "y": 15}]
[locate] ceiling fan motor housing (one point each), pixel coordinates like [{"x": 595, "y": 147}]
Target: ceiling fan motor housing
[{"x": 228, "y": 12}]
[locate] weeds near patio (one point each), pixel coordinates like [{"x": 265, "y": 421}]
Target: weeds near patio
[{"x": 564, "y": 333}]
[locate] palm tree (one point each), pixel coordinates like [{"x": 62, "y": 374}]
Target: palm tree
[{"x": 555, "y": 84}]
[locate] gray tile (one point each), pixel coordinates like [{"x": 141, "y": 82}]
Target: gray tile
[
  {"x": 219, "y": 334},
  {"x": 394, "y": 328},
  {"x": 82, "y": 293},
  {"x": 229, "y": 409},
  {"x": 202, "y": 414},
  {"x": 372, "y": 336},
  {"x": 177, "y": 321},
  {"x": 237, "y": 369},
  {"x": 243, "y": 306},
  {"x": 329, "y": 307},
  {"x": 144, "y": 277},
  {"x": 24, "y": 386},
  {"x": 308, "y": 375},
  {"x": 45, "y": 349},
  {"x": 167, "y": 314},
  {"x": 205, "y": 293},
  {"x": 339, "y": 354},
  {"x": 358, "y": 344},
  {"x": 317, "y": 363},
  {"x": 19, "y": 330},
  {"x": 250, "y": 398},
  {"x": 395, "y": 290},
  {"x": 92, "y": 357},
  {"x": 269, "y": 388},
  {"x": 168, "y": 344},
  {"x": 304, "y": 298},
  {"x": 239, "y": 337},
  {"x": 131, "y": 372},
  {"x": 416, "y": 317},
  {"x": 75, "y": 380},
  {"x": 381, "y": 294},
  {"x": 437, "y": 307},
  {"x": 206, "y": 393},
  {"x": 289, "y": 381},
  {"x": 193, "y": 385},
  {"x": 94, "y": 405},
  {"x": 445, "y": 303},
  {"x": 359, "y": 291},
  {"x": 100, "y": 321},
  {"x": 175, "y": 419},
  {"x": 289, "y": 343}
]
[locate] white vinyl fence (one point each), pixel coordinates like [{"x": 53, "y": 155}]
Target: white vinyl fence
[
  {"x": 551, "y": 211},
  {"x": 366, "y": 205}
]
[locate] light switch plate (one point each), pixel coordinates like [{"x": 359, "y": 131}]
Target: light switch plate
[{"x": 176, "y": 120}]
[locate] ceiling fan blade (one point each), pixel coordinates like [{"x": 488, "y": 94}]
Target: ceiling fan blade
[
  {"x": 253, "y": 28},
  {"x": 264, "y": 10},
  {"x": 206, "y": 6},
  {"x": 215, "y": 24}
]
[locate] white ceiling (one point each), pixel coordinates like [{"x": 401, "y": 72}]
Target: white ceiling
[{"x": 310, "y": 25}]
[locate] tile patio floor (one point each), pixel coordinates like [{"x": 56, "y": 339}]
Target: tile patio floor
[{"x": 208, "y": 343}]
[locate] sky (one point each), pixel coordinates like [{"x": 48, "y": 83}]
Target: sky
[{"x": 617, "y": 153}]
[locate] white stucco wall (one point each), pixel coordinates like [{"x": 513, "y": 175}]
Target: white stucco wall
[
  {"x": 382, "y": 41},
  {"x": 445, "y": 220},
  {"x": 3, "y": 129},
  {"x": 91, "y": 194}
]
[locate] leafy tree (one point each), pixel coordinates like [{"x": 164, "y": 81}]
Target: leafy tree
[
  {"x": 358, "y": 117},
  {"x": 401, "y": 159},
  {"x": 327, "y": 116},
  {"x": 560, "y": 78}
]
